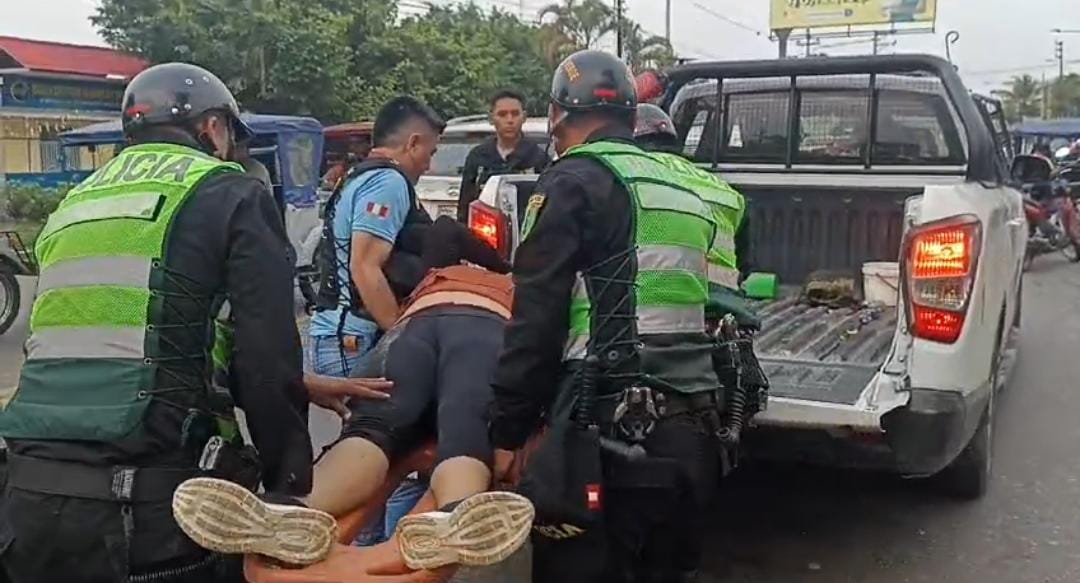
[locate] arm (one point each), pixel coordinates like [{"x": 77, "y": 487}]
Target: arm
[
  {"x": 544, "y": 269},
  {"x": 379, "y": 208},
  {"x": 369, "y": 254},
  {"x": 470, "y": 190},
  {"x": 267, "y": 364}
]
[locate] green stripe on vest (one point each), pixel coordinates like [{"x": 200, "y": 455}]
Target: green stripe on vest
[{"x": 125, "y": 209}]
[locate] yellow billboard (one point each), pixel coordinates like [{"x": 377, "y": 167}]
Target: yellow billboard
[{"x": 824, "y": 13}]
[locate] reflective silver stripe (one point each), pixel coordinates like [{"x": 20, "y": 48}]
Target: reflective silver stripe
[
  {"x": 141, "y": 205},
  {"x": 650, "y": 320},
  {"x": 667, "y": 257},
  {"x": 668, "y": 319},
  {"x": 128, "y": 271},
  {"x": 723, "y": 241},
  {"x": 576, "y": 347},
  {"x": 88, "y": 342},
  {"x": 654, "y": 196},
  {"x": 579, "y": 293},
  {"x": 724, "y": 276}
]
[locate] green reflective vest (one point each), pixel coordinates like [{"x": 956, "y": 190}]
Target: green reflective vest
[
  {"x": 728, "y": 207},
  {"x": 92, "y": 355},
  {"x": 675, "y": 230}
]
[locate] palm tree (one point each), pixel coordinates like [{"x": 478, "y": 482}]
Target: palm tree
[
  {"x": 582, "y": 21},
  {"x": 1065, "y": 96},
  {"x": 643, "y": 50},
  {"x": 1022, "y": 97}
]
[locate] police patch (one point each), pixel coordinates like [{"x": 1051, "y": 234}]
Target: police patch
[
  {"x": 572, "y": 72},
  {"x": 532, "y": 211}
]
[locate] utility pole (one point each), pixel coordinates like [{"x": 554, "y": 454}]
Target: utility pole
[
  {"x": 875, "y": 42},
  {"x": 1059, "y": 54},
  {"x": 618, "y": 28},
  {"x": 667, "y": 23}
]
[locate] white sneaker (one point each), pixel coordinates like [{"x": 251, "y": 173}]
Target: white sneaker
[
  {"x": 482, "y": 530},
  {"x": 227, "y": 518}
]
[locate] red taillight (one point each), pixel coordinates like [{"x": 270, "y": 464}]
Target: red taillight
[
  {"x": 939, "y": 263},
  {"x": 490, "y": 225}
]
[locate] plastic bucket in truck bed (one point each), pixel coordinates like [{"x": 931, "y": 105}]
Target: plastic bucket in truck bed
[{"x": 881, "y": 282}]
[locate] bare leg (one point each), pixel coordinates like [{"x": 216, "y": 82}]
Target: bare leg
[
  {"x": 458, "y": 478},
  {"x": 347, "y": 476}
]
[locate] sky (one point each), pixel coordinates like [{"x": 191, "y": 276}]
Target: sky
[{"x": 998, "y": 38}]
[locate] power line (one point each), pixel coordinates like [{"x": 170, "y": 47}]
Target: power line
[
  {"x": 1039, "y": 67},
  {"x": 728, "y": 20}
]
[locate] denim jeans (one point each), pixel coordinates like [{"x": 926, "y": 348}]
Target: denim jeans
[
  {"x": 399, "y": 504},
  {"x": 328, "y": 358}
]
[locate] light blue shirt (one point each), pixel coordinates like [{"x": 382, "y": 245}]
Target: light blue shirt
[{"x": 376, "y": 203}]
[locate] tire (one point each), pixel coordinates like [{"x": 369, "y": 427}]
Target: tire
[
  {"x": 968, "y": 477},
  {"x": 10, "y": 298}
]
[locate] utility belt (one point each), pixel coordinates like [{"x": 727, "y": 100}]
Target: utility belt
[
  {"x": 627, "y": 418},
  {"x": 129, "y": 484}
]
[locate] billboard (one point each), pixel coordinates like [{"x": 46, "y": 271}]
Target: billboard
[{"x": 826, "y": 13}]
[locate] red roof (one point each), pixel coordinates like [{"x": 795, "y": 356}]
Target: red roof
[{"x": 51, "y": 57}]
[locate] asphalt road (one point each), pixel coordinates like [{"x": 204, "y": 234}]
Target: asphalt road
[{"x": 793, "y": 524}]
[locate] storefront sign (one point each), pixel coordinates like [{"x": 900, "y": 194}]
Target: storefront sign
[
  {"x": 18, "y": 91},
  {"x": 788, "y": 14}
]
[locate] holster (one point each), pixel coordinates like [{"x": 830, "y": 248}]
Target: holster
[{"x": 231, "y": 461}]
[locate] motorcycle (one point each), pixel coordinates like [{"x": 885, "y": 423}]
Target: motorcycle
[{"x": 1050, "y": 207}]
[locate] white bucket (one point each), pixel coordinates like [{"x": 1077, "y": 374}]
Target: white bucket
[{"x": 881, "y": 282}]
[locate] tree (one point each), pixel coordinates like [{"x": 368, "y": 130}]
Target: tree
[
  {"x": 1022, "y": 98},
  {"x": 644, "y": 50},
  {"x": 1065, "y": 96},
  {"x": 582, "y": 22}
]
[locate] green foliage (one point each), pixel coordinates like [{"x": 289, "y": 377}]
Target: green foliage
[
  {"x": 30, "y": 203},
  {"x": 339, "y": 60},
  {"x": 1024, "y": 96}
]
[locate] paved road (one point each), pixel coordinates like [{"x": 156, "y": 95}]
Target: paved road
[{"x": 793, "y": 524}]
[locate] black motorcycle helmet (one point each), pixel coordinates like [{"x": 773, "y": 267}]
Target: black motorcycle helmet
[
  {"x": 593, "y": 80},
  {"x": 178, "y": 95},
  {"x": 653, "y": 128}
]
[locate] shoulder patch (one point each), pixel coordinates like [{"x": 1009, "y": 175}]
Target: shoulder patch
[{"x": 532, "y": 211}]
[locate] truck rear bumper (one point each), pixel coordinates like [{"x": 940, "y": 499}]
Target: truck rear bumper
[{"x": 915, "y": 433}]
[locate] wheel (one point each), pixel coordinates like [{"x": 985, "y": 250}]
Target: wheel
[
  {"x": 968, "y": 476},
  {"x": 1072, "y": 231},
  {"x": 10, "y": 297}
]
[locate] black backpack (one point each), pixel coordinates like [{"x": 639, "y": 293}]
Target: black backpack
[{"x": 403, "y": 270}]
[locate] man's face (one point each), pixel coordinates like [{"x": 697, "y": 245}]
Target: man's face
[
  {"x": 507, "y": 115},
  {"x": 418, "y": 150}
]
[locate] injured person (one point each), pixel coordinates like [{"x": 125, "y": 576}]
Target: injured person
[{"x": 440, "y": 355}]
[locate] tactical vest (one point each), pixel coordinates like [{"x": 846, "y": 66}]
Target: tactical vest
[
  {"x": 404, "y": 269},
  {"x": 92, "y": 358},
  {"x": 674, "y": 230},
  {"x": 728, "y": 207}
]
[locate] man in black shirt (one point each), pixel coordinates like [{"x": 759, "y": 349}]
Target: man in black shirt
[{"x": 508, "y": 152}]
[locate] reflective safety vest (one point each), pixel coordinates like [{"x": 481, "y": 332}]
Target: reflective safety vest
[
  {"x": 728, "y": 208},
  {"x": 675, "y": 230},
  {"x": 93, "y": 352}
]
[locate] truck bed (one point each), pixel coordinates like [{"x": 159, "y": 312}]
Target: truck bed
[{"x": 819, "y": 353}]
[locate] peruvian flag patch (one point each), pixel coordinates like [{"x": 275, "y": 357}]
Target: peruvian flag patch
[
  {"x": 379, "y": 210},
  {"x": 592, "y": 497}
]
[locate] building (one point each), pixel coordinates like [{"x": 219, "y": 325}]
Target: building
[{"x": 47, "y": 88}]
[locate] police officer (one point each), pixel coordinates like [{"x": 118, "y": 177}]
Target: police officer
[
  {"x": 729, "y": 262},
  {"x": 613, "y": 267},
  {"x": 114, "y": 407}
]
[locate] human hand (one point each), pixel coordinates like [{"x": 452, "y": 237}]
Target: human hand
[
  {"x": 334, "y": 393},
  {"x": 504, "y": 462}
]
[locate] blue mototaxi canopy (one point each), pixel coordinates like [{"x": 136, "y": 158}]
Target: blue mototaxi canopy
[
  {"x": 1051, "y": 128},
  {"x": 299, "y": 143}
]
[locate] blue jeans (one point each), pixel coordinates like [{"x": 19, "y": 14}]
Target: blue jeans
[
  {"x": 330, "y": 359},
  {"x": 408, "y": 493}
]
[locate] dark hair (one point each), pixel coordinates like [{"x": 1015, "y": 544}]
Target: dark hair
[
  {"x": 506, "y": 94},
  {"x": 398, "y": 112}
]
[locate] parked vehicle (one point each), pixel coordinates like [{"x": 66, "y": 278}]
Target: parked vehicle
[
  {"x": 15, "y": 260},
  {"x": 438, "y": 189},
  {"x": 1054, "y": 134},
  {"x": 1053, "y": 224},
  {"x": 848, "y": 161}
]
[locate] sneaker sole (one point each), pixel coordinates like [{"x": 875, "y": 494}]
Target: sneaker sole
[
  {"x": 483, "y": 530},
  {"x": 225, "y": 517}
]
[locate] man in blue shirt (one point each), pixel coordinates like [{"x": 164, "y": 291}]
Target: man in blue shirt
[{"x": 374, "y": 207}]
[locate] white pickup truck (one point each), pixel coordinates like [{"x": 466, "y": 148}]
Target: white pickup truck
[{"x": 846, "y": 161}]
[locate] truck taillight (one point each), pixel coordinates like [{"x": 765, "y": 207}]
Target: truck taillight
[
  {"x": 490, "y": 225},
  {"x": 940, "y": 260}
]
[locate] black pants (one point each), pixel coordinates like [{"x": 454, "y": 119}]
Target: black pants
[
  {"x": 654, "y": 514},
  {"x": 46, "y": 538},
  {"x": 441, "y": 361}
]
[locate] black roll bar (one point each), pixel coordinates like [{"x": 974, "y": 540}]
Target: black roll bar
[{"x": 981, "y": 150}]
